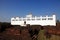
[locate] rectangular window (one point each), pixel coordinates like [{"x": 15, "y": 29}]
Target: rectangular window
[
  {"x": 28, "y": 19},
  {"x": 13, "y": 20},
  {"x": 43, "y": 18},
  {"x": 16, "y": 20},
  {"x": 50, "y": 18},
  {"x": 38, "y": 19}
]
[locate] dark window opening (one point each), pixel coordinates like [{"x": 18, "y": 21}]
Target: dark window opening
[
  {"x": 38, "y": 19},
  {"x": 50, "y": 18},
  {"x": 24, "y": 22},
  {"x": 43, "y": 18}
]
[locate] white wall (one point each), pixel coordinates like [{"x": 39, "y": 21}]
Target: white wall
[{"x": 35, "y": 22}]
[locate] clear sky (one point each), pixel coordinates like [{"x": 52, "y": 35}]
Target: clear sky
[{"x": 13, "y": 8}]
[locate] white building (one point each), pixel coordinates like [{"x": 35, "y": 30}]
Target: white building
[{"x": 34, "y": 20}]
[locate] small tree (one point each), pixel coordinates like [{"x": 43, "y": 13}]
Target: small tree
[
  {"x": 57, "y": 21},
  {"x": 41, "y": 35}
]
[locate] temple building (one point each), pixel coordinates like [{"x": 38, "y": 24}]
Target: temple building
[{"x": 34, "y": 20}]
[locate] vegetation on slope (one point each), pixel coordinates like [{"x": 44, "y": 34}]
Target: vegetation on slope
[{"x": 34, "y": 32}]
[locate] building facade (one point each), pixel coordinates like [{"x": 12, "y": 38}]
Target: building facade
[{"x": 34, "y": 20}]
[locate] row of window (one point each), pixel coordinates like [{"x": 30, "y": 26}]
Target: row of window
[{"x": 34, "y": 19}]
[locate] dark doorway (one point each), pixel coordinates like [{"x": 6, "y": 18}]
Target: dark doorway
[{"x": 24, "y": 22}]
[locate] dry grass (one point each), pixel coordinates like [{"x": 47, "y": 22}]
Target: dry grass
[{"x": 13, "y": 32}]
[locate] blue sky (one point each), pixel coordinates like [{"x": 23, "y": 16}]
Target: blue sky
[{"x": 13, "y": 8}]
